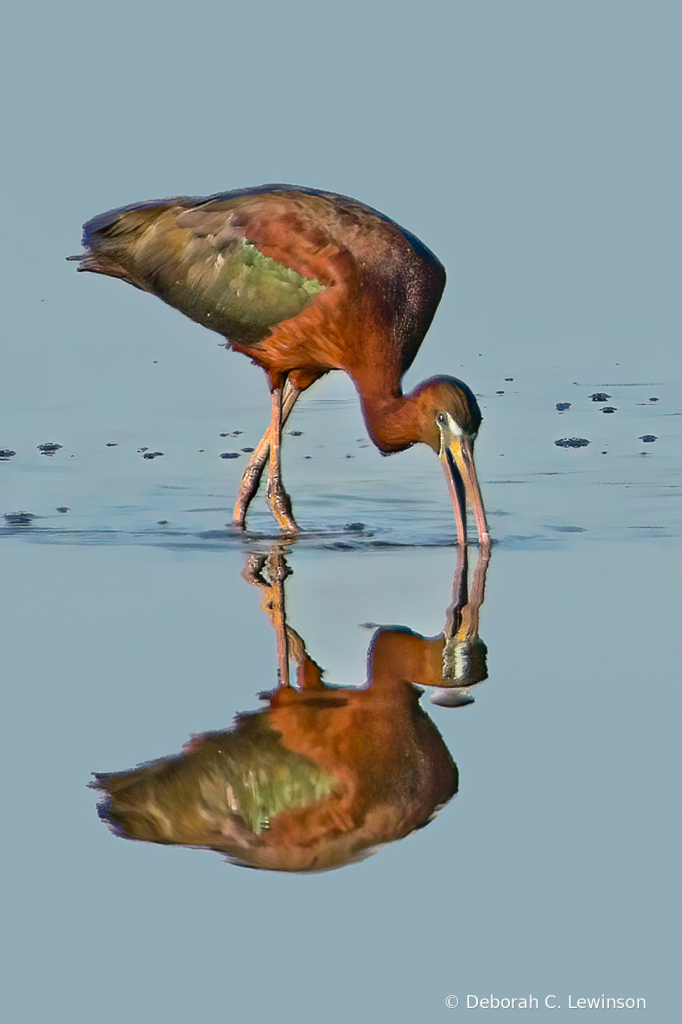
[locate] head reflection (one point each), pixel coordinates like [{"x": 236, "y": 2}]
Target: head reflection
[{"x": 322, "y": 776}]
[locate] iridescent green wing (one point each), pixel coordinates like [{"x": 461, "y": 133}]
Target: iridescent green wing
[{"x": 197, "y": 259}]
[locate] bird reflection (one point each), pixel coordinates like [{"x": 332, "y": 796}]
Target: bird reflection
[{"x": 324, "y": 775}]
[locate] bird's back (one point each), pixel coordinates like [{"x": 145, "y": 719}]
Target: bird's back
[{"x": 287, "y": 273}]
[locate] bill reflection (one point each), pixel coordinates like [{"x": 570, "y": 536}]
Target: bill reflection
[{"x": 323, "y": 775}]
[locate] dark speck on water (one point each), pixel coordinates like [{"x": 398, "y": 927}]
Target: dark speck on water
[
  {"x": 509, "y": 378},
  {"x": 151, "y": 455},
  {"x": 19, "y": 518},
  {"x": 609, "y": 408},
  {"x": 296, "y": 433},
  {"x": 62, "y": 508},
  {"x": 248, "y": 449},
  {"x": 143, "y": 449},
  {"x": 162, "y": 522},
  {"x": 572, "y": 442},
  {"x": 226, "y": 434},
  {"x": 653, "y": 399},
  {"x": 236, "y": 433},
  {"x": 499, "y": 392},
  {"x": 563, "y": 406},
  {"x": 648, "y": 438},
  {"x": 354, "y": 527},
  {"x": 49, "y": 448},
  {"x": 6, "y": 453},
  {"x": 230, "y": 455},
  {"x": 112, "y": 444},
  {"x": 600, "y": 396}
]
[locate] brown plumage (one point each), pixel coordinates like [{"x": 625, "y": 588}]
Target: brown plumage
[
  {"x": 303, "y": 282},
  {"x": 325, "y": 774}
]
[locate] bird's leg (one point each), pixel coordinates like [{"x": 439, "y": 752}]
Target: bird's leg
[
  {"x": 278, "y": 499},
  {"x": 278, "y": 570},
  {"x": 271, "y": 585},
  {"x": 258, "y": 461}
]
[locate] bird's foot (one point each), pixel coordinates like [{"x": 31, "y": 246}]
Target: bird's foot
[
  {"x": 253, "y": 570},
  {"x": 280, "y": 506},
  {"x": 278, "y": 570}
]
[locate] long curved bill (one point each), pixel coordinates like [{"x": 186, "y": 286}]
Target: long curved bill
[{"x": 458, "y": 462}]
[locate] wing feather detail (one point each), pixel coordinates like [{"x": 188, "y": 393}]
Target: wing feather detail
[{"x": 199, "y": 261}]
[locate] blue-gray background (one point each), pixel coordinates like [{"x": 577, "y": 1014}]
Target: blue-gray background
[{"x": 535, "y": 147}]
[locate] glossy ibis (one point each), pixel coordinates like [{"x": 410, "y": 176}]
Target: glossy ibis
[{"x": 304, "y": 282}]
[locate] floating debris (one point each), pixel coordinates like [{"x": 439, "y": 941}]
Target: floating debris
[
  {"x": 563, "y": 406},
  {"x": 236, "y": 433},
  {"x": 151, "y": 455},
  {"x": 19, "y": 518},
  {"x": 609, "y": 408},
  {"x": 653, "y": 399},
  {"x": 162, "y": 522},
  {"x": 572, "y": 442},
  {"x": 648, "y": 438},
  {"x": 49, "y": 448},
  {"x": 230, "y": 455},
  {"x": 248, "y": 449},
  {"x": 354, "y": 527},
  {"x": 296, "y": 433},
  {"x": 62, "y": 508},
  {"x": 499, "y": 392},
  {"x": 112, "y": 444},
  {"x": 6, "y": 454},
  {"x": 600, "y": 396},
  {"x": 142, "y": 450},
  {"x": 509, "y": 378}
]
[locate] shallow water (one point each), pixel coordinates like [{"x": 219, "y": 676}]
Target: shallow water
[
  {"x": 618, "y": 487},
  {"x": 553, "y": 866},
  {"x": 532, "y": 147}
]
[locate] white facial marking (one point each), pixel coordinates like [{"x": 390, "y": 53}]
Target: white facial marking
[
  {"x": 450, "y": 424},
  {"x": 448, "y": 428}
]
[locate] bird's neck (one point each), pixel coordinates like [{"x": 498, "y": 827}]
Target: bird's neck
[{"x": 394, "y": 421}]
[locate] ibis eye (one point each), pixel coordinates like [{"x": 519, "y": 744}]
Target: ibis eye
[{"x": 442, "y": 418}]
